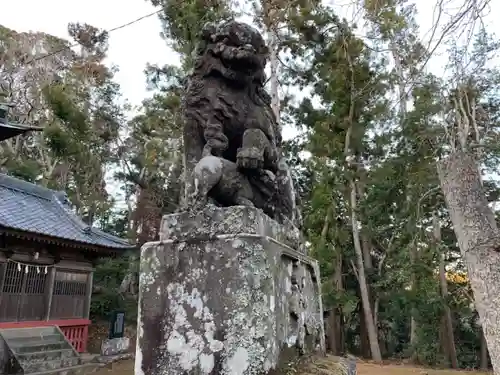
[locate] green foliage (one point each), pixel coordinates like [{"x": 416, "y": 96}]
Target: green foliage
[
  {"x": 394, "y": 147},
  {"x": 108, "y": 276},
  {"x": 65, "y": 110},
  {"x": 73, "y": 97},
  {"x": 183, "y": 21}
]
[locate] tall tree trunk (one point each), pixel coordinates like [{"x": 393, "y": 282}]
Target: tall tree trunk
[
  {"x": 443, "y": 340},
  {"x": 484, "y": 354},
  {"x": 364, "y": 341},
  {"x": 365, "y": 240},
  {"x": 333, "y": 333},
  {"x": 413, "y": 286},
  {"x": 335, "y": 329},
  {"x": 366, "y": 246},
  {"x": 334, "y": 324},
  {"x": 274, "y": 63},
  {"x": 339, "y": 288},
  {"x": 450, "y": 337},
  {"x": 414, "y": 311},
  {"x": 478, "y": 238},
  {"x": 326, "y": 227},
  {"x": 402, "y": 113},
  {"x": 363, "y": 286},
  {"x": 271, "y": 23}
]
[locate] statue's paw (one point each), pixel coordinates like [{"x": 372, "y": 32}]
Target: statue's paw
[
  {"x": 250, "y": 158},
  {"x": 240, "y": 201}
]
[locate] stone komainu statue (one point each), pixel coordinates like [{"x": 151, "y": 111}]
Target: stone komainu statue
[{"x": 232, "y": 143}]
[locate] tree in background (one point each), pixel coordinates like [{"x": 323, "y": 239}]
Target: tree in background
[
  {"x": 394, "y": 25},
  {"x": 396, "y": 195},
  {"x": 349, "y": 103},
  {"x": 71, "y": 95},
  {"x": 469, "y": 139},
  {"x": 68, "y": 90}
]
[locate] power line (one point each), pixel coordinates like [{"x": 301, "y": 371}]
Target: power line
[{"x": 77, "y": 44}]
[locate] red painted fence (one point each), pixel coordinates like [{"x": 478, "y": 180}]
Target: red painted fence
[{"x": 75, "y": 330}]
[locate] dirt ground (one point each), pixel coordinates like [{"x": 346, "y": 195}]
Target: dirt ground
[{"x": 127, "y": 368}]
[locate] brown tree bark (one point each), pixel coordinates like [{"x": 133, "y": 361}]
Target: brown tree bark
[
  {"x": 478, "y": 238},
  {"x": 366, "y": 243},
  {"x": 448, "y": 320},
  {"x": 337, "y": 311},
  {"x": 363, "y": 286},
  {"x": 335, "y": 333},
  {"x": 414, "y": 312},
  {"x": 367, "y": 247},
  {"x": 364, "y": 341},
  {"x": 442, "y": 338},
  {"x": 402, "y": 83},
  {"x": 414, "y": 255},
  {"x": 353, "y": 200},
  {"x": 331, "y": 333},
  {"x": 273, "y": 52},
  {"x": 334, "y": 321}
]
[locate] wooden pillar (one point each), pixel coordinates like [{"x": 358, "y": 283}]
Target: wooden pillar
[
  {"x": 3, "y": 263},
  {"x": 90, "y": 280},
  {"x": 20, "y": 304},
  {"x": 50, "y": 290},
  {"x": 3, "y": 272}
]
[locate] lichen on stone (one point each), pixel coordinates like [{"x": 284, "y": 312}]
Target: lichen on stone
[{"x": 219, "y": 303}]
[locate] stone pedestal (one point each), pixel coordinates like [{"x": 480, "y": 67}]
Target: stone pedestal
[{"x": 226, "y": 291}]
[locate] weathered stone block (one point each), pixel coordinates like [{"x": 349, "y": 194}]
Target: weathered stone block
[
  {"x": 110, "y": 347},
  {"x": 226, "y": 292},
  {"x": 214, "y": 221}
]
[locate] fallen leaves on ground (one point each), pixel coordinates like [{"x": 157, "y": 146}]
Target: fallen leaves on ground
[{"x": 322, "y": 366}]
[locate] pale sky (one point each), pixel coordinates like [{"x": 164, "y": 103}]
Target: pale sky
[
  {"x": 130, "y": 48},
  {"x": 134, "y": 46}
]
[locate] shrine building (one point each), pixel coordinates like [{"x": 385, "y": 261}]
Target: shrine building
[{"x": 47, "y": 256}]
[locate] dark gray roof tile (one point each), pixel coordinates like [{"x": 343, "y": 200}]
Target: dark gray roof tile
[
  {"x": 31, "y": 208},
  {"x": 13, "y": 130}
]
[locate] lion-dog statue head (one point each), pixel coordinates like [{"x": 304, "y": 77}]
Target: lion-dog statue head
[{"x": 234, "y": 50}]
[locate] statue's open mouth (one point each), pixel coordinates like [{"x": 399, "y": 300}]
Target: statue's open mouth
[{"x": 243, "y": 58}]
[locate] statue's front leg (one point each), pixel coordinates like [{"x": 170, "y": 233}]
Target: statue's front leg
[
  {"x": 206, "y": 174},
  {"x": 216, "y": 140},
  {"x": 256, "y": 151}
]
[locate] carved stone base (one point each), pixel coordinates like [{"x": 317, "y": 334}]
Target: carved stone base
[{"x": 225, "y": 292}]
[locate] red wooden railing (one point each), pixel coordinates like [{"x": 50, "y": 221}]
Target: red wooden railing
[
  {"x": 75, "y": 330},
  {"x": 77, "y": 336}
]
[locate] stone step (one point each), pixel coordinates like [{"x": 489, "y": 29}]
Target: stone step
[
  {"x": 40, "y": 332},
  {"x": 46, "y": 355},
  {"x": 37, "y": 346},
  {"x": 40, "y": 366},
  {"x": 73, "y": 370},
  {"x": 41, "y": 350},
  {"x": 16, "y": 341}
]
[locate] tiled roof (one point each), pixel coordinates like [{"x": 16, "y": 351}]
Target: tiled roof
[
  {"x": 31, "y": 208},
  {"x": 12, "y": 130}
]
